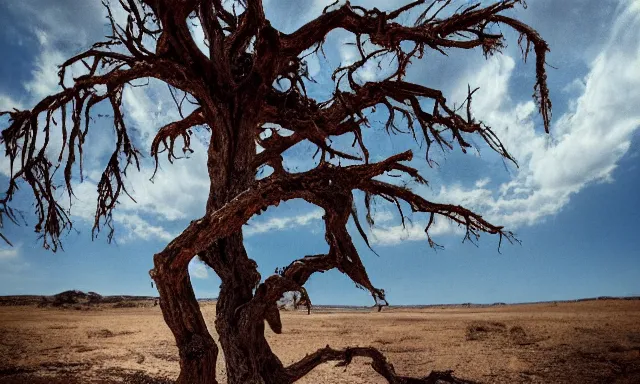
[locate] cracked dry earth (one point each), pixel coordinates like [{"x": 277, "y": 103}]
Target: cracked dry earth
[{"x": 581, "y": 342}]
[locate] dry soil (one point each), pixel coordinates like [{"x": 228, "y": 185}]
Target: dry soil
[{"x": 582, "y": 342}]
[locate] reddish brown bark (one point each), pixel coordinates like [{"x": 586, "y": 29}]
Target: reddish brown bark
[
  {"x": 233, "y": 87},
  {"x": 181, "y": 311}
]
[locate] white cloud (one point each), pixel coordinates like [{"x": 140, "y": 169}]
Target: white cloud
[
  {"x": 283, "y": 223},
  {"x": 11, "y": 261},
  {"x": 9, "y": 253},
  {"x": 198, "y": 269},
  {"x": 130, "y": 225},
  {"x": 482, "y": 182},
  {"x": 170, "y": 199},
  {"x": 382, "y": 216},
  {"x": 136, "y": 227},
  {"x": 588, "y": 141},
  {"x": 44, "y": 80},
  {"x": 577, "y": 85},
  {"x": 8, "y": 104},
  {"x": 393, "y": 235}
]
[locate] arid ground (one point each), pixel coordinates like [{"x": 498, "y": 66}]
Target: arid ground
[{"x": 580, "y": 342}]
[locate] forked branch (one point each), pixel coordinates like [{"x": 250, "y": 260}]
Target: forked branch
[{"x": 379, "y": 363}]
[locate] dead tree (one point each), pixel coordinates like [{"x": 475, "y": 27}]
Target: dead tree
[{"x": 234, "y": 87}]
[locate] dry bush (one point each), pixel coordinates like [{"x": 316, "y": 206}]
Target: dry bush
[
  {"x": 519, "y": 336},
  {"x": 408, "y": 338},
  {"x": 105, "y": 333},
  {"x": 60, "y": 326},
  {"x": 479, "y": 330},
  {"x": 84, "y": 348}
]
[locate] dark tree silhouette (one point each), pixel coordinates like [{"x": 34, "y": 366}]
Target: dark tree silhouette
[{"x": 238, "y": 100}]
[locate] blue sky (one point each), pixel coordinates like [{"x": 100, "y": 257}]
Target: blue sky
[{"x": 573, "y": 201}]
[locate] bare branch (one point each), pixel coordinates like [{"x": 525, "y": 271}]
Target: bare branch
[
  {"x": 342, "y": 255},
  {"x": 383, "y": 32},
  {"x": 28, "y": 158},
  {"x": 171, "y": 132},
  {"x": 541, "y": 90},
  {"x": 471, "y": 221},
  {"x": 344, "y": 114},
  {"x": 250, "y": 22},
  {"x": 379, "y": 364}
]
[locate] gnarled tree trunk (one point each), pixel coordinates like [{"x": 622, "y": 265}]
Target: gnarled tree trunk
[
  {"x": 248, "y": 357},
  {"x": 247, "y": 354},
  {"x": 181, "y": 311}
]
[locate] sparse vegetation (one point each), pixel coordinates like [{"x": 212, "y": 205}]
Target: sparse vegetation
[
  {"x": 45, "y": 346},
  {"x": 479, "y": 330},
  {"x": 105, "y": 333}
]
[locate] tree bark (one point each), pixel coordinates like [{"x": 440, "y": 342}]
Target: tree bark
[
  {"x": 181, "y": 311},
  {"x": 248, "y": 357}
]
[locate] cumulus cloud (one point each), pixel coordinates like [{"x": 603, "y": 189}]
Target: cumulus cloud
[
  {"x": 283, "y": 223},
  {"x": 7, "y": 103},
  {"x": 137, "y": 228},
  {"x": 392, "y": 235},
  {"x": 11, "y": 261},
  {"x": 44, "y": 81},
  {"x": 198, "y": 269},
  {"x": 587, "y": 142},
  {"x": 349, "y": 54},
  {"x": 382, "y": 216},
  {"x": 148, "y": 110}
]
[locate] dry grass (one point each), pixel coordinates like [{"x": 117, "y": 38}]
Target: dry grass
[{"x": 585, "y": 342}]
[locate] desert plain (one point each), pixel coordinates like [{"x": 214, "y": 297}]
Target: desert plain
[{"x": 593, "y": 341}]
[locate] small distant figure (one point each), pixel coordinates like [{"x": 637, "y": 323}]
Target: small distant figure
[
  {"x": 155, "y": 302},
  {"x": 152, "y": 284}
]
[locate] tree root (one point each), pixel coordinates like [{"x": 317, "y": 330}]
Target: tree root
[{"x": 379, "y": 363}]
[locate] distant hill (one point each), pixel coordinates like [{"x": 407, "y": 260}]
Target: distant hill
[{"x": 78, "y": 300}]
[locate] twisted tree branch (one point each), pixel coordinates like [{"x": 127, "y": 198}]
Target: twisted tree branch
[{"x": 379, "y": 363}]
